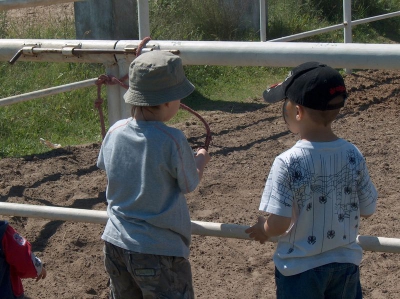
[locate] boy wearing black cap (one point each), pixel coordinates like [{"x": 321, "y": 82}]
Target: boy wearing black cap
[
  {"x": 315, "y": 193},
  {"x": 150, "y": 167}
]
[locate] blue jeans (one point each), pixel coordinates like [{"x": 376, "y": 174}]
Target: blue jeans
[
  {"x": 147, "y": 276},
  {"x": 331, "y": 281}
]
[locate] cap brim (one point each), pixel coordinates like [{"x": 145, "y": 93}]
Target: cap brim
[{"x": 274, "y": 94}]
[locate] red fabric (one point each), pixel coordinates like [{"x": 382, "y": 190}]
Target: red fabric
[{"x": 17, "y": 251}]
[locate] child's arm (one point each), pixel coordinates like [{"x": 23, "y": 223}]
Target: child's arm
[
  {"x": 17, "y": 251},
  {"x": 42, "y": 274},
  {"x": 202, "y": 158},
  {"x": 265, "y": 229}
]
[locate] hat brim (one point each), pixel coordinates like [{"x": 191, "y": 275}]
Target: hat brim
[
  {"x": 274, "y": 94},
  {"x": 155, "y": 98}
]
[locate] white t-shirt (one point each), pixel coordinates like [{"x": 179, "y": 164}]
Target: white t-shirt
[{"x": 323, "y": 187}]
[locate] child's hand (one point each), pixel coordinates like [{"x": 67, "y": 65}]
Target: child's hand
[
  {"x": 203, "y": 154},
  {"x": 257, "y": 231},
  {"x": 42, "y": 274},
  {"x": 201, "y": 159}
]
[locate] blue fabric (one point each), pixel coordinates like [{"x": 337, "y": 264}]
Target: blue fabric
[
  {"x": 149, "y": 167},
  {"x": 331, "y": 281},
  {"x": 5, "y": 281}
]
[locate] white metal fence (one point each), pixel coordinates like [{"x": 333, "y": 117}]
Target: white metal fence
[
  {"x": 116, "y": 56},
  {"x": 222, "y": 230}
]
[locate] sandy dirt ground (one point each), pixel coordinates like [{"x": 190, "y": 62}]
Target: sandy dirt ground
[{"x": 246, "y": 138}]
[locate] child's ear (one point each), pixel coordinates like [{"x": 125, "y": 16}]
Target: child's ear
[{"x": 299, "y": 112}]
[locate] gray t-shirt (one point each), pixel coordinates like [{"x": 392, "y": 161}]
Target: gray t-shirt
[
  {"x": 149, "y": 167},
  {"x": 324, "y": 187}
]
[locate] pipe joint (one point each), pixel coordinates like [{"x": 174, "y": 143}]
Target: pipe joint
[{"x": 68, "y": 50}]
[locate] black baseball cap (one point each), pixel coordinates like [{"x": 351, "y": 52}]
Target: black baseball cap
[{"x": 312, "y": 85}]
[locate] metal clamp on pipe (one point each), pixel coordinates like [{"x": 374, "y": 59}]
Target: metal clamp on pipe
[
  {"x": 27, "y": 50},
  {"x": 68, "y": 50}
]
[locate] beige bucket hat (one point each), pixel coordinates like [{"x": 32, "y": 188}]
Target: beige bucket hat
[{"x": 155, "y": 78}]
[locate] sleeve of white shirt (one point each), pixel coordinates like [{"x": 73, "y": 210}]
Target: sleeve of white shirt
[
  {"x": 277, "y": 196},
  {"x": 367, "y": 194}
]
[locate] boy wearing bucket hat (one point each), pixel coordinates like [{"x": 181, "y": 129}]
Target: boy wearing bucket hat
[
  {"x": 149, "y": 167},
  {"x": 315, "y": 193}
]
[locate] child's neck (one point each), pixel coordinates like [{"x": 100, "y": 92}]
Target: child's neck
[
  {"x": 142, "y": 118},
  {"x": 145, "y": 115},
  {"x": 318, "y": 134}
]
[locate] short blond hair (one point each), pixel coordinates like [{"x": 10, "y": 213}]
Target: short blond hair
[{"x": 325, "y": 117}]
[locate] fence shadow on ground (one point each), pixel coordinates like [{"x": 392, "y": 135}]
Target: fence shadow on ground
[{"x": 197, "y": 101}]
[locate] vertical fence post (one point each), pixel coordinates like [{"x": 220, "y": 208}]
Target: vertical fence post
[
  {"x": 263, "y": 21},
  {"x": 143, "y": 16},
  {"x": 347, "y": 25}
]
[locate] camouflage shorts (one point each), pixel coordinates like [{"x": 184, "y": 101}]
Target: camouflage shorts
[{"x": 147, "y": 276}]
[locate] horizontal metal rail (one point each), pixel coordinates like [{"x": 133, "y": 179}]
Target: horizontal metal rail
[
  {"x": 376, "y": 18},
  {"x": 72, "y": 51},
  {"x": 307, "y": 33},
  {"x": 223, "y": 230},
  {"x": 47, "y": 92},
  {"x": 279, "y": 54},
  {"x": 29, "y": 50}
]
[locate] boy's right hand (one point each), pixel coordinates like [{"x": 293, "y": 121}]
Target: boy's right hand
[
  {"x": 201, "y": 158},
  {"x": 203, "y": 154}
]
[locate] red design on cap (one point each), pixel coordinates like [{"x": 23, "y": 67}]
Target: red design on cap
[
  {"x": 339, "y": 88},
  {"x": 275, "y": 85}
]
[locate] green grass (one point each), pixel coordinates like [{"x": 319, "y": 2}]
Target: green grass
[
  {"x": 68, "y": 118},
  {"x": 71, "y": 118}
]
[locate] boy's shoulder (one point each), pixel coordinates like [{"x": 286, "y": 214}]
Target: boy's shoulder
[
  {"x": 303, "y": 147},
  {"x": 167, "y": 130}
]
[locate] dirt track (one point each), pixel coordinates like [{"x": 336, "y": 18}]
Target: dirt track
[{"x": 246, "y": 138}]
